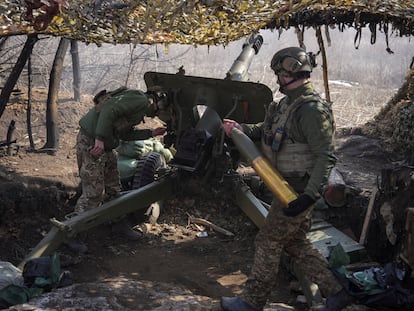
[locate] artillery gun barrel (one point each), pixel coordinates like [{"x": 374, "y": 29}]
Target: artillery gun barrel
[
  {"x": 240, "y": 67},
  {"x": 270, "y": 176}
]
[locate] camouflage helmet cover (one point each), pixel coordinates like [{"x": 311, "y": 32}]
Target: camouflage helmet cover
[{"x": 292, "y": 60}]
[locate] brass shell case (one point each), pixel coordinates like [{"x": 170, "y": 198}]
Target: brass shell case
[{"x": 274, "y": 181}]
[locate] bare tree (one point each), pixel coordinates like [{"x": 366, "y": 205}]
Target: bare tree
[
  {"x": 17, "y": 70},
  {"x": 74, "y": 51},
  {"x": 52, "y": 133},
  {"x": 29, "y": 103}
]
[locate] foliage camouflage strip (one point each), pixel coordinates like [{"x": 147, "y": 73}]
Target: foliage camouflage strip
[
  {"x": 394, "y": 124},
  {"x": 202, "y": 22}
]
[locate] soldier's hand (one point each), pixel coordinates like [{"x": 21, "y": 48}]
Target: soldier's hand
[
  {"x": 228, "y": 125},
  {"x": 158, "y": 131},
  {"x": 301, "y": 204},
  {"x": 98, "y": 149}
]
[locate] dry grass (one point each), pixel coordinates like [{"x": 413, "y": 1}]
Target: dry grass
[{"x": 355, "y": 105}]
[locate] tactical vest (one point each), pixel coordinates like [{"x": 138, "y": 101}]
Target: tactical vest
[{"x": 290, "y": 158}]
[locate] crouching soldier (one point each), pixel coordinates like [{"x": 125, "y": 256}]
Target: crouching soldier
[{"x": 113, "y": 118}]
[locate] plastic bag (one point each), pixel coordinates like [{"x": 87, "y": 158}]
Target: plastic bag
[{"x": 10, "y": 275}]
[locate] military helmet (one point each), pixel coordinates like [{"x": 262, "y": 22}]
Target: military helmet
[
  {"x": 292, "y": 60},
  {"x": 98, "y": 97}
]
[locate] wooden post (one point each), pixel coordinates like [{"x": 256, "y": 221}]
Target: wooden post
[
  {"x": 368, "y": 216},
  {"x": 324, "y": 63}
]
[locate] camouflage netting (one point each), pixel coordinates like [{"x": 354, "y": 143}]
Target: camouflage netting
[
  {"x": 395, "y": 122},
  {"x": 196, "y": 22}
]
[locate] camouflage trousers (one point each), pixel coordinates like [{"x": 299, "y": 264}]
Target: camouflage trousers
[
  {"x": 99, "y": 177},
  {"x": 285, "y": 234}
]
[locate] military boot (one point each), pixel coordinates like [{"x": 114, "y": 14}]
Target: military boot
[
  {"x": 123, "y": 228},
  {"x": 236, "y": 304}
]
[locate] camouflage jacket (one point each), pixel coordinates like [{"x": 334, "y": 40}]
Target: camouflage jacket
[
  {"x": 116, "y": 118},
  {"x": 308, "y": 137}
]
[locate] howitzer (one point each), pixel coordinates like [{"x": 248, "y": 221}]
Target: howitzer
[{"x": 196, "y": 107}]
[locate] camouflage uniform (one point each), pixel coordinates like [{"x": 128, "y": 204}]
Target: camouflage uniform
[
  {"x": 305, "y": 159},
  {"x": 100, "y": 177},
  {"x": 113, "y": 120}
]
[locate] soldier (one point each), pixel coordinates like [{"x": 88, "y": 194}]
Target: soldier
[
  {"x": 297, "y": 138},
  {"x": 113, "y": 118}
]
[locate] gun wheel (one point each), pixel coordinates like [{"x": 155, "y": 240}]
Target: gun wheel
[{"x": 146, "y": 170}]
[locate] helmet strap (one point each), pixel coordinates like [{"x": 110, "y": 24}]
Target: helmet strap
[
  {"x": 296, "y": 77},
  {"x": 282, "y": 87}
]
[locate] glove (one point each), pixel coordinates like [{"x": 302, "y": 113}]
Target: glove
[{"x": 301, "y": 204}]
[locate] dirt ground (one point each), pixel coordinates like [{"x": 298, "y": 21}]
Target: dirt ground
[{"x": 171, "y": 267}]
